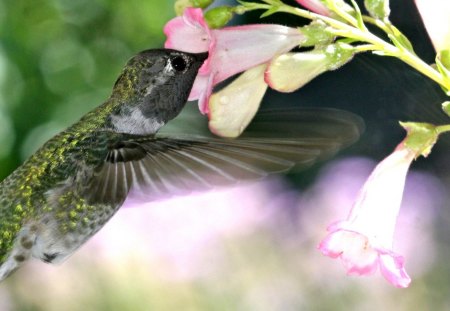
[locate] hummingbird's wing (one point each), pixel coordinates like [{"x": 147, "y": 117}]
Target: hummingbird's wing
[{"x": 150, "y": 168}]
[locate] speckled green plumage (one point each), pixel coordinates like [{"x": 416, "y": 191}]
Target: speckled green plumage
[{"x": 22, "y": 194}]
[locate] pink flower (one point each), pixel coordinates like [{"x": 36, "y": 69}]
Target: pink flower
[
  {"x": 231, "y": 49},
  {"x": 364, "y": 241},
  {"x": 315, "y": 6},
  {"x": 435, "y": 15}
]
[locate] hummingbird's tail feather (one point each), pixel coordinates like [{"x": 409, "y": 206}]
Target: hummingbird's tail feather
[{"x": 21, "y": 251}]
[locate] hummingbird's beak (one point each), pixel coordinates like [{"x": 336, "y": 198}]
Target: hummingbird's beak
[{"x": 201, "y": 56}]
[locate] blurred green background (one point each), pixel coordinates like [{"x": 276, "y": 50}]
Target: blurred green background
[
  {"x": 59, "y": 59},
  {"x": 250, "y": 248}
]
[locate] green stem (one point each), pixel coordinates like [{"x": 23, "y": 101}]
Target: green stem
[
  {"x": 418, "y": 64},
  {"x": 376, "y": 22},
  {"x": 365, "y": 48},
  {"x": 443, "y": 129},
  {"x": 378, "y": 45},
  {"x": 344, "y": 15}
]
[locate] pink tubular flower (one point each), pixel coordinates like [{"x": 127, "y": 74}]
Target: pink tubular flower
[
  {"x": 315, "y": 6},
  {"x": 364, "y": 241},
  {"x": 231, "y": 49}
]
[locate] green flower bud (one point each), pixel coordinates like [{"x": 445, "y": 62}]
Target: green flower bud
[
  {"x": 181, "y": 5},
  {"x": 219, "y": 16},
  {"x": 378, "y": 8},
  {"x": 316, "y": 34},
  {"x": 201, "y": 3}
]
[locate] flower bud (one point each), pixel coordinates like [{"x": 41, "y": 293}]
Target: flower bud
[
  {"x": 219, "y": 16},
  {"x": 232, "y": 108},
  {"x": 316, "y": 34},
  {"x": 201, "y": 3},
  {"x": 291, "y": 71},
  {"x": 181, "y": 5}
]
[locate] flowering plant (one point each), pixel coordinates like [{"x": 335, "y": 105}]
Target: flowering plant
[{"x": 265, "y": 54}]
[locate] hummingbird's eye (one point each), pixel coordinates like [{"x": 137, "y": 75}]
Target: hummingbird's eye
[{"x": 178, "y": 63}]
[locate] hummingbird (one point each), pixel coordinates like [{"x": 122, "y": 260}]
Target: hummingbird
[{"x": 70, "y": 187}]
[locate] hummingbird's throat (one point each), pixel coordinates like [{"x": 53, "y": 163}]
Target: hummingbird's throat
[{"x": 135, "y": 122}]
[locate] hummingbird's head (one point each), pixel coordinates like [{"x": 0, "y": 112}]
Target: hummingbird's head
[{"x": 153, "y": 88}]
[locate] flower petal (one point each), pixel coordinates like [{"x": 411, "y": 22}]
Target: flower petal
[
  {"x": 188, "y": 33},
  {"x": 232, "y": 108},
  {"x": 359, "y": 258},
  {"x": 239, "y": 48},
  {"x": 378, "y": 204},
  {"x": 435, "y": 15},
  {"x": 392, "y": 268},
  {"x": 353, "y": 249},
  {"x": 202, "y": 90},
  {"x": 331, "y": 245}
]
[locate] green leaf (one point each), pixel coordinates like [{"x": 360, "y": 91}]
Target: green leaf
[
  {"x": 400, "y": 39},
  {"x": 378, "y": 9},
  {"x": 270, "y": 11},
  {"x": 249, "y": 5}
]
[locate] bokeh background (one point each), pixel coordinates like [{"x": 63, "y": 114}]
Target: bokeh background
[{"x": 251, "y": 247}]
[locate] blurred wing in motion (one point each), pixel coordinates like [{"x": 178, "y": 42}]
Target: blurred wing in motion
[{"x": 150, "y": 168}]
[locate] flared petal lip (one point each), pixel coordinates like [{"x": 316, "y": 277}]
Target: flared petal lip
[
  {"x": 396, "y": 275},
  {"x": 188, "y": 33},
  {"x": 390, "y": 263}
]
